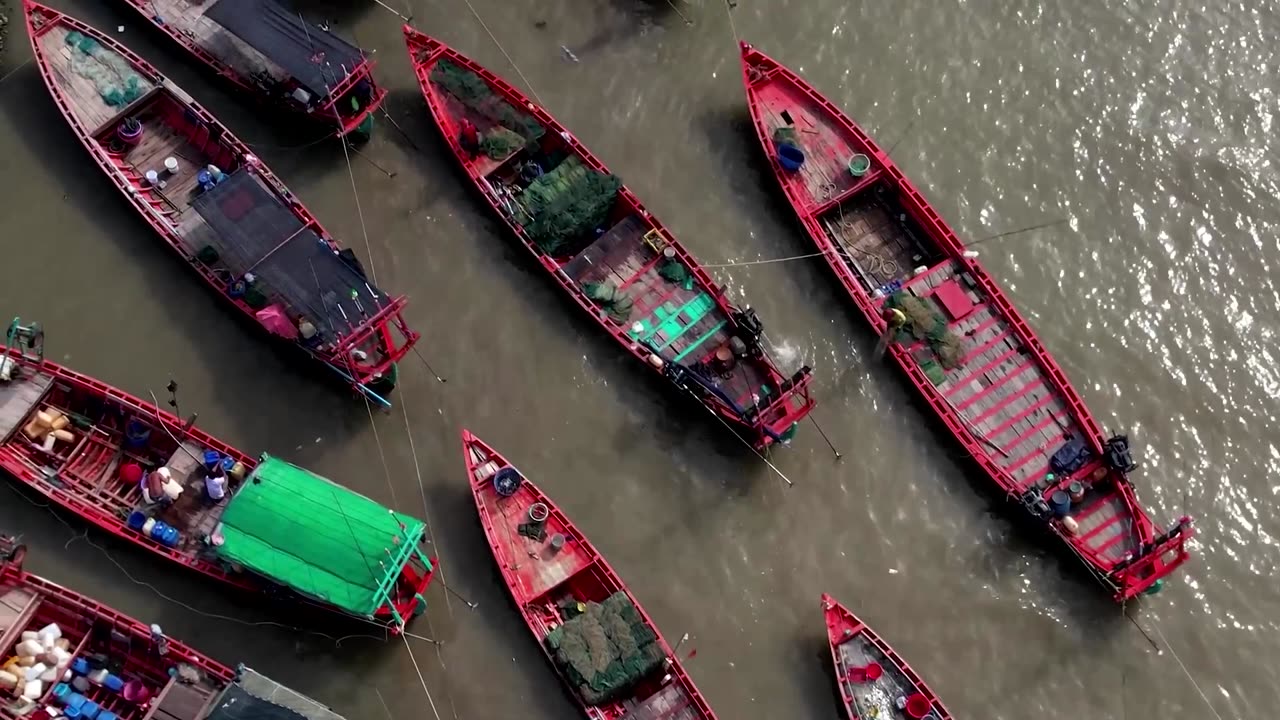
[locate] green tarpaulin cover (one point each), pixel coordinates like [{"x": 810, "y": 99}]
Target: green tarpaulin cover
[{"x": 319, "y": 538}]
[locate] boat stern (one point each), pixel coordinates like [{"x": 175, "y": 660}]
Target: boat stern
[{"x": 1144, "y": 573}]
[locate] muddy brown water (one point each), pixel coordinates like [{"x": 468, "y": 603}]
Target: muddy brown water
[{"x": 1150, "y": 126}]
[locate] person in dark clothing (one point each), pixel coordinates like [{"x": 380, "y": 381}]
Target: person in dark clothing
[{"x": 469, "y": 138}]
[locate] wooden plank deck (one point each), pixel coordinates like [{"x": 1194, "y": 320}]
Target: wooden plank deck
[
  {"x": 187, "y": 16},
  {"x": 18, "y": 398},
  {"x": 669, "y": 703},
  {"x": 71, "y": 69},
  {"x": 999, "y": 390},
  {"x": 826, "y": 144},
  {"x": 160, "y": 141},
  {"x": 877, "y": 244}
]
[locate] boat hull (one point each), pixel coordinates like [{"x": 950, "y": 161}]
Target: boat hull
[
  {"x": 539, "y": 575},
  {"x": 868, "y": 694},
  {"x": 755, "y": 399},
  {"x": 381, "y": 336},
  {"x": 955, "y": 335},
  {"x": 184, "y": 34}
]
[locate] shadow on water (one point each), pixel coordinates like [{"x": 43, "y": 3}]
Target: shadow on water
[{"x": 630, "y": 19}]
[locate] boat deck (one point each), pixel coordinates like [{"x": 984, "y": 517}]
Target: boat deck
[
  {"x": 855, "y": 648},
  {"x": 88, "y": 466},
  {"x": 680, "y": 320},
  {"x": 876, "y": 246},
  {"x": 160, "y": 141},
  {"x": 188, "y": 18},
  {"x": 85, "y": 80},
  {"x": 536, "y": 568},
  {"x": 18, "y": 398},
  {"x": 671, "y": 702},
  {"x": 824, "y": 176}
]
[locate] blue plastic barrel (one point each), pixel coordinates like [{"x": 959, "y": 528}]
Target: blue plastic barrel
[
  {"x": 137, "y": 519},
  {"x": 61, "y": 691},
  {"x": 790, "y": 157},
  {"x": 80, "y": 666},
  {"x": 113, "y": 683},
  {"x": 89, "y": 710},
  {"x": 212, "y": 458},
  {"x": 71, "y": 712},
  {"x": 108, "y": 715},
  {"x": 1060, "y": 501}
]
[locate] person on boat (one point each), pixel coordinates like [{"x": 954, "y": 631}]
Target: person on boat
[
  {"x": 155, "y": 487},
  {"x": 895, "y": 317},
  {"x": 215, "y": 482},
  {"x": 469, "y": 138}
]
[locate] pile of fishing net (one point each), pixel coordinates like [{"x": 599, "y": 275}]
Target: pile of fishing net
[
  {"x": 606, "y": 649},
  {"x": 475, "y": 93},
  {"x": 499, "y": 142},
  {"x": 926, "y": 323},
  {"x": 607, "y": 296},
  {"x": 566, "y": 203},
  {"x": 111, "y": 75}
]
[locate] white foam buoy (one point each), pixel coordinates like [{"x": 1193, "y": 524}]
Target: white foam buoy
[{"x": 971, "y": 254}]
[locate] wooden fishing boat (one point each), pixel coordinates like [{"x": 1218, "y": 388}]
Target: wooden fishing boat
[
  {"x": 959, "y": 339},
  {"x": 218, "y": 206},
  {"x": 871, "y": 676},
  {"x": 597, "y": 241},
  {"x": 138, "y": 673},
  {"x": 276, "y": 56},
  {"x": 558, "y": 581},
  {"x": 90, "y": 449}
]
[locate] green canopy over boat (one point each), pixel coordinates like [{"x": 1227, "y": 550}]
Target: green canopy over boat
[{"x": 318, "y": 538}]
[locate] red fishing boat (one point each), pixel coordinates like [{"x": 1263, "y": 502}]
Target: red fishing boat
[
  {"x": 218, "y": 206},
  {"x": 100, "y": 663},
  {"x": 875, "y": 682},
  {"x": 136, "y": 471},
  {"x": 566, "y": 593},
  {"x": 594, "y": 237},
  {"x": 274, "y": 54},
  {"x": 959, "y": 339}
]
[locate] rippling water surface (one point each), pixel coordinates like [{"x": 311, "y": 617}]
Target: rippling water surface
[{"x": 1150, "y": 127}]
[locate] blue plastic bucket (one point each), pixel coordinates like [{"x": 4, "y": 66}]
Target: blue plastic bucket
[
  {"x": 137, "y": 519},
  {"x": 1060, "y": 501},
  {"x": 790, "y": 157},
  {"x": 212, "y": 458},
  {"x": 89, "y": 710}
]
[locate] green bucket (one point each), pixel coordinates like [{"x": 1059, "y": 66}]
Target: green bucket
[{"x": 859, "y": 165}]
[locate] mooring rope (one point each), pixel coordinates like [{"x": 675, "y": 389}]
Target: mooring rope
[{"x": 505, "y": 54}]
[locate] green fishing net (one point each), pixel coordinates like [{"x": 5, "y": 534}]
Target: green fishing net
[
  {"x": 605, "y": 650},
  {"x": 566, "y": 204},
  {"x": 475, "y": 93},
  {"x": 607, "y": 296},
  {"x": 115, "y": 80},
  {"x": 500, "y": 142},
  {"x": 926, "y": 323}
]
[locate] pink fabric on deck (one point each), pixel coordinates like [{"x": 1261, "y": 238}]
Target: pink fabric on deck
[{"x": 273, "y": 318}]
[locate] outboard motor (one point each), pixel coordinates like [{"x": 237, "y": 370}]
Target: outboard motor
[{"x": 1118, "y": 455}]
